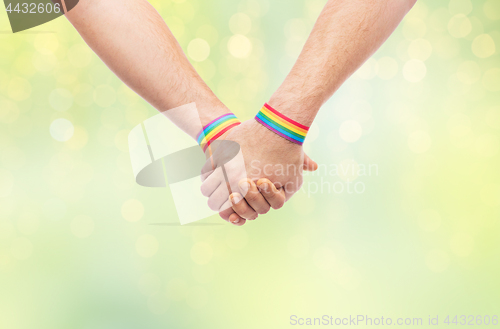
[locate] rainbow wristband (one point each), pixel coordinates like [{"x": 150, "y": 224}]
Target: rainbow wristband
[
  {"x": 215, "y": 129},
  {"x": 282, "y": 125}
]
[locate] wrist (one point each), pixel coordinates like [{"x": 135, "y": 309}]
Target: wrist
[
  {"x": 282, "y": 125},
  {"x": 294, "y": 105},
  {"x": 216, "y": 129}
]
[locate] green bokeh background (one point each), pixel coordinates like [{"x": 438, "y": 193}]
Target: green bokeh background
[{"x": 82, "y": 246}]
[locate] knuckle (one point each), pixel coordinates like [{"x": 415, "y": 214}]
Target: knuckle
[{"x": 251, "y": 196}]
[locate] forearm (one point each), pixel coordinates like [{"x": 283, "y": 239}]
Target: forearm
[
  {"x": 136, "y": 44},
  {"x": 345, "y": 35}
]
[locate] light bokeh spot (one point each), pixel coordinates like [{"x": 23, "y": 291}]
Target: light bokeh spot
[
  {"x": 350, "y": 131},
  {"x": 132, "y": 210},
  {"x": 414, "y": 28},
  {"x": 420, "y": 49},
  {"x": 19, "y": 89},
  {"x": 201, "y": 253},
  {"x": 61, "y": 130},
  {"x": 414, "y": 70},
  {"x": 9, "y": 111},
  {"x": 46, "y": 43},
  {"x": 491, "y": 9},
  {"x": 483, "y": 46},
  {"x": 239, "y": 46},
  {"x": 459, "y": 26},
  {"x": 460, "y": 7},
  {"x": 240, "y": 23},
  {"x": 198, "y": 49}
]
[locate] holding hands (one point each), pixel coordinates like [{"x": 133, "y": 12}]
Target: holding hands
[
  {"x": 273, "y": 166},
  {"x": 258, "y": 164}
]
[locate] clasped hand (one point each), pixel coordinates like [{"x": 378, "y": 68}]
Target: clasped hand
[{"x": 273, "y": 167}]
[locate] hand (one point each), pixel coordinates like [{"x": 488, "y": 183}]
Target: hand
[
  {"x": 260, "y": 198},
  {"x": 265, "y": 155}
]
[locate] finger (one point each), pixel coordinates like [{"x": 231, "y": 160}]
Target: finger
[
  {"x": 227, "y": 206},
  {"x": 235, "y": 219},
  {"x": 275, "y": 197},
  {"x": 309, "y": 164},
  {"x": 253, "y": 196},
  {"x": 241, "y": 207},
  {"x": 226, "y": 211},
  {"x": 211, "y": 183},
  {"x": 208, "y": 169},
  {"x": 218, "y": 198}
]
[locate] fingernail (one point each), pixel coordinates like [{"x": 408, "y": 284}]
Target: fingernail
[
  {"x": 265, "y": 186},
  {"x": 235, "y": 198},
  {"x": 245, "y": 186},
  {"x": 236, "y": 221}
]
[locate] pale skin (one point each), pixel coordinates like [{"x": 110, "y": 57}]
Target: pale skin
[
  {"x": 136, "y": 44},
  {"x": 146, "y": 56},
  {"x": 345, "y": 35}
]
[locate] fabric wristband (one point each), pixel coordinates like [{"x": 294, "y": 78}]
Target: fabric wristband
[
  {"x": 215, "y": 129},
  {"x": 282, "y": 125}
]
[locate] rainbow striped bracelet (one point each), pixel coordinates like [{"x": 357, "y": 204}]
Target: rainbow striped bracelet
[
  {"x": 215, "y": 129},
  {"x": 282, "y": 125}
]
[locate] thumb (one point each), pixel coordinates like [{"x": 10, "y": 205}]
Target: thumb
[{"x": 309, "y": 164}]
